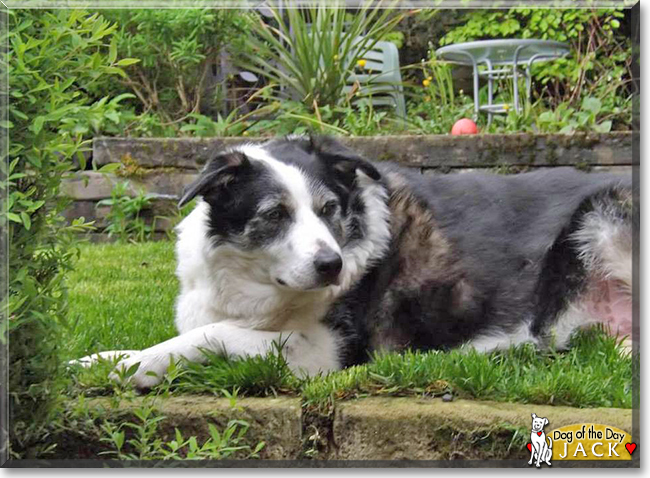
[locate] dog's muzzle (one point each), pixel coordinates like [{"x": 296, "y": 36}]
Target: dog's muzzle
[{"x": 328, "y": 264}]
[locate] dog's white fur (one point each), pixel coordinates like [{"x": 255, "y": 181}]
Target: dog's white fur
[
  {"x": 231, "y": 302},
  {"x": 540, "y": 449}
]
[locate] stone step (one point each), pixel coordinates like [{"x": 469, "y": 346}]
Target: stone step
[{"x": 360, "y": 432}]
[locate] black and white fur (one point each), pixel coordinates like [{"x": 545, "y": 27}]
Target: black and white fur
[{"x": 300, "y": 241}]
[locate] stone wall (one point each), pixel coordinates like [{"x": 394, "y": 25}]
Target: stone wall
[
  {"x": 417, "y": 432},
  {"x": 162, "y": 167}
]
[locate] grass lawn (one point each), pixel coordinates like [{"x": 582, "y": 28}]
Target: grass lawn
[{"x": 122, "y": 297}]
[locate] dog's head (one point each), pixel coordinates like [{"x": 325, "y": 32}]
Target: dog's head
[
  {"x": 287, "y": 207},
  {"x": 539, "y": 423}
]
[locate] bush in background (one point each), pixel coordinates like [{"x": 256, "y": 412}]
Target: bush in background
[
  {"x": 177, "y": 49},
  {"x": 54, "y": 59}
]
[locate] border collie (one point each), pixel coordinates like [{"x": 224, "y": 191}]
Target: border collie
[{"x": 302, "y": 241}]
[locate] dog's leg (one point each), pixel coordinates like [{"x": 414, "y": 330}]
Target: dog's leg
[
  {"x": 114, "y": 355},
  {"x": 539, "y": 454},
  {"x": 532, "y": 453},
  {"x": 549, "y": 451},
  {"x": 305, "y": 353}
]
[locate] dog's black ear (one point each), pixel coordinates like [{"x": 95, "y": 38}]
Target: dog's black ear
[
  {"x": 341, "y": 160},
  {"x": 534, "y": 416},
  {"x": 219, "y": 171}
]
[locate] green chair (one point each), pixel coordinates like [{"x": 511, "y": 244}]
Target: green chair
[{"x": 380, "y": 79}]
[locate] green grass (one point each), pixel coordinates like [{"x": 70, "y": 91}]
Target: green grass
[
  {"x": 120, "y": 303},
  {"x": 121, "y": 297}
]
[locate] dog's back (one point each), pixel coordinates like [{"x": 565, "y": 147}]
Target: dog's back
[{"x": 495, "y": 260}]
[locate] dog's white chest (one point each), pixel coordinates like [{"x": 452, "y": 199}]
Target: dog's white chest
[{"x": 312, "y": 350}]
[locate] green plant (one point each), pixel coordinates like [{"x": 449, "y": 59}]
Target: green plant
[
  {"x": 363, "y": 119},
  {"x": 438, "y": 82},
  {"x": 311, "y": 51},
  {"x": 140, "y": 437},
  {"x": 54, "y": 57},
  {"x": 176, "y": 49},
  {"x": 234, "y": 124},
  {"x": 146, "y": 444},
  {"x": 125, "y": 219},
  {"x": 435, "y": 105},
  {"x": 568, "y": 120}
]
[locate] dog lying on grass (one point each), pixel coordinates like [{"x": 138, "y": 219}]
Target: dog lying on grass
[{"x": 302, "y": 241}]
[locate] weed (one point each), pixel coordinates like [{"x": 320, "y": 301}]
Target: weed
[{"x": 125, "y": 219}]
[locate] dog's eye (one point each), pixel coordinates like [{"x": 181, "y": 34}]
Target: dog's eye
[
  {"x": 329, "y": 208},
  {"x": 275, "y": 214}
]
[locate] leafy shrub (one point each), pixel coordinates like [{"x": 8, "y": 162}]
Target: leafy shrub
[
  {"x": 54, "y": 57},
  {"x": 312, "y": 51},
  {"x": 570, "y": 120},
  {"x": 176, "y": 48}
]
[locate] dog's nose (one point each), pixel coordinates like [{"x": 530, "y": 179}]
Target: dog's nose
[{"x": 328, "y": 265}]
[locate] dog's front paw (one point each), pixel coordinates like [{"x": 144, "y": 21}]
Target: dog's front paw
[
  {"x": 113, "y": 355},
  {"x": 141, "y": 370}
]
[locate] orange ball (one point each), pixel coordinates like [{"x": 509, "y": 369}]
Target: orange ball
[{"x": 464, "y": 126}]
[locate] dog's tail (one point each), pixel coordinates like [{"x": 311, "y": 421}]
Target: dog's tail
[{"x": 550, "y": 442}]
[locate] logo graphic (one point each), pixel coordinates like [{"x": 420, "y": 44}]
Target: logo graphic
[
  {"x": 540, "y": 449},
  {"x": 579, "y": 441}
]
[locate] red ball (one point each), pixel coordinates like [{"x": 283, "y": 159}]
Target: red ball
[{"x": 464, "y": 126}]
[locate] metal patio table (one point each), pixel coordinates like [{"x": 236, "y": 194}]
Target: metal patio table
[{"x": 501, "y": 59}]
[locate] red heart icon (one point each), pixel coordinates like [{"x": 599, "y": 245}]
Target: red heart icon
[
  {"x": 539, "y": 434},
  {"x": 630, "y": 447},
  {"x": 530, "y": 447}
]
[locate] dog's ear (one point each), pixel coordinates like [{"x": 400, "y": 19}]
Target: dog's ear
[
  {"x": 341, "y": 160},
  {"x": 546, "y": 421},
  {"x": 534, "y": 416},
  {"x": 219, "y": 171}
]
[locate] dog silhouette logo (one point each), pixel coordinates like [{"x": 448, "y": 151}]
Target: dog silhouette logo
[{"x": 540, "y": 449}]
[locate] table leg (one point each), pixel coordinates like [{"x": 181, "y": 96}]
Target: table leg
[
  {"x": 515, "y": 77},
  {"x": 490, "y": 90}
]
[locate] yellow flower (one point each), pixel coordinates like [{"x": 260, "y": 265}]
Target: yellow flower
[
  {"x": 336, "y": 58},
  {"x": 361, "y": 63},
  {"x": 245, "y": 133},
  {"x": 506, "y": 107},
  {"x": 426, "y": 82}
]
